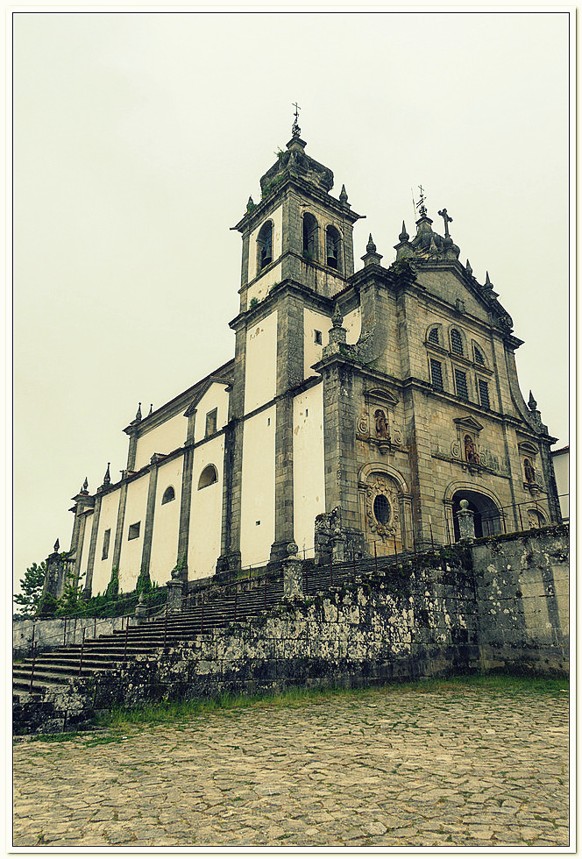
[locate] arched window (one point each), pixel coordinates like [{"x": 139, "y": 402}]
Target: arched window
[
  {"x": 456, "y": 342},
  {"x": 433, "y": 336},
  {"x": 332, "y": 247},
  {"x": 168, "y": 495},
  {"x": 310, "y": 236},
  {"x": 208, "y": 477},
  {"x": 479, "y": 359},
  {"x": 265, "y": 245}
]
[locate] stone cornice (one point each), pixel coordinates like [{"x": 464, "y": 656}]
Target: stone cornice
[
  {"x": 179, "y": 403},
  {"x": 288, "y": 182}
]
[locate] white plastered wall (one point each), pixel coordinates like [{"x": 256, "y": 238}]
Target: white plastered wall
[
  {"x": 277, "y": 218},
  {"x": 258, "y": 488},
  {"x": 135, "y": 511},
  {"x": 164, "y": 552},
  {"x": 216, "y": 397},
  {"x": 261, "y": 363},
  {"x": 312, "y": 322},
  {"x": 308, "y": 466},
  {"x": 260, "y": 288},
  {"x": 353, "y": 325},
  {"x": 206, "y": 511},
  {"x": 107, "y": 519},
  {"x": 162, "y": 439}
]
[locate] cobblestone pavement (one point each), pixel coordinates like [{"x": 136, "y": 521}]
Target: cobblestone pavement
[{"x": 462, "y": 766}]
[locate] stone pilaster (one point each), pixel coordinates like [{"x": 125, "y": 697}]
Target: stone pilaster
[
  {"x": 185, "y": 507},
  {"x": 119, "y": 525},
  {"x": 93, "y": 544},
  {"x": 149, "y": 520},
  {"x": 289, "y": 373}
]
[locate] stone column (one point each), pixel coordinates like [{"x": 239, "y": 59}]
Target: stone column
[
  {"x": 292, "y": 573},
  {"x": 175, "y": 592},
  {"x": 466, "y": 522}
]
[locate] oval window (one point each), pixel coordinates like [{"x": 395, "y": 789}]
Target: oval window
[{"x": 382, "y": 509}]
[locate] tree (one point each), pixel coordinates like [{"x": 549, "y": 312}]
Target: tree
[
  {"x": 71, "y": 601},
  {"x": 31, "y": 585}
]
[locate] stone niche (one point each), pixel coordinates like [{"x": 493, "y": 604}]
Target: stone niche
[{"x": 377, "y": 424}]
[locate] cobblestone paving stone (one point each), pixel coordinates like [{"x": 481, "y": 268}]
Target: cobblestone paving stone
[{"x": 387, "y": 767}]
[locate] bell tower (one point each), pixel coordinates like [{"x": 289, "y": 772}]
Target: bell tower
[
  {"x": 298, "y": 232},
  {"x": 297, "y": 254}
]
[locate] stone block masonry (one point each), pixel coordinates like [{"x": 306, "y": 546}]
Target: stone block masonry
[{"x": 497, "y": 604}]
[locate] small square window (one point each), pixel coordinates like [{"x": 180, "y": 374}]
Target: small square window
[
  {"x": 317, "y": 337},
  {"x": 134, "y": 531},
  {"x": 211, "y": 422}
]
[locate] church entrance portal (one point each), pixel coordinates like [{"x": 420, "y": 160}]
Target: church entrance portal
[{"x": 487, "y": 517}]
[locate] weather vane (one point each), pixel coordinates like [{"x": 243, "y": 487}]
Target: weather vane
[
  {"x": 295, "y": 128},
  {"x": 420, "y": 205}
]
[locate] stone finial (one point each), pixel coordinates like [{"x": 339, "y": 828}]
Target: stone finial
[
  {"x": 488, "y": 284},
  {"x": 138, "y": 413},
  {"x": 292, "y": 549},
  {"x": 532, "y": 403},
  {"x": 85, "y": 487},
  {"x": 343, "y": 197},
  {"x": 403, "y": 237},
  {"x": 469, "y": 268},
  {"x": 151, "y": 409},
  {"x": 57, "y": 545},
  {"x": 250, "y": 204},
  {"x": 371, "y": 257},
  {"x": 337, "y": 318},
  {"x": 107, "y": 476}
]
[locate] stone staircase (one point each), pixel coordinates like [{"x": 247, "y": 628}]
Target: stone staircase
[{"x": 57, "y": 667}]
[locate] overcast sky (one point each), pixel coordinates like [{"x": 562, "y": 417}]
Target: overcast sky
[{"x": 138, "y": 139}]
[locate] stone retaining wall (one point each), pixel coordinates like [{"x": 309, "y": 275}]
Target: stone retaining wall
[
  {"x": 467, "y": 609},
  {"x": 51, "y": 633}
]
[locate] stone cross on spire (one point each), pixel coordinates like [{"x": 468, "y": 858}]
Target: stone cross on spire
[
  {"x": 295, "y": 130},
  {"x": 448, "y": 220}
]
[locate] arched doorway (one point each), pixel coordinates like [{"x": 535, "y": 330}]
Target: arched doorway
[{"x": 487, "y": 516}]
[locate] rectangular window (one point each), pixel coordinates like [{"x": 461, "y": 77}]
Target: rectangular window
[
  {"x": 134, "y": 531},
  {"x": 484, "y": 394},
  {"x": 436, "y": 374},
  {"x": 317, "y": 337},
  {"x": 211, "y": 420},
  {"x": 461, "y": 385},
  {"x": 106, "y": 541}
]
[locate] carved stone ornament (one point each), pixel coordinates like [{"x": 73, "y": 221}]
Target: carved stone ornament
[
  {"x": 363, "y": 426},
  {"x": 377, "y": 487},
  {"x": 456, "y": 449}
]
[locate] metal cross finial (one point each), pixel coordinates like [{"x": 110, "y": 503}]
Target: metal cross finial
[
  {"x": 420, "y": 205},
  {"x": 296, "y": 131},
  {"x": 447, "y": 219}
]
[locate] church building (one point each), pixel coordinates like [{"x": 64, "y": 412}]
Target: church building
[{"x": 360, "y": 406}]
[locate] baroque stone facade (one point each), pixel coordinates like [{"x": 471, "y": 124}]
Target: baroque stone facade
[{"x": 360, "y": 409}]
